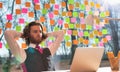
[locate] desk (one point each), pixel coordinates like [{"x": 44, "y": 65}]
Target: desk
[{"x": 101, "y": 69}]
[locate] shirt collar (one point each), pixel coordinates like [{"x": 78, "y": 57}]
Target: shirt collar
[{"x": 32, "y": 45}]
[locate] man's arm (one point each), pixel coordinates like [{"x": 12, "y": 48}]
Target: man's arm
[
  {"x": 18, "y": 52},
  {"x": 59, "y": 35}
]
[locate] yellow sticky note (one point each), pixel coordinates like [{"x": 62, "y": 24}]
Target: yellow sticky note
[
  {"x": 80, "y": 39},
  {"x": 107, "y": 13},
  {"x": 77, "y": 25},
  {"x": 97, "y": 5},
  {"x": 92, "y": 4},
  {"x": 52, "y": 1},
  {"x": 91, "y": 35},
  {"x": 68, "y": 44},
  {"x": 64, "y": 13},
  {"x": 75, "y": 32},
  {"x": 77, "y": 4}
]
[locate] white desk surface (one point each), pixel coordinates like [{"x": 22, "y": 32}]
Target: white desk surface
[{"x": 101, "y": 69}]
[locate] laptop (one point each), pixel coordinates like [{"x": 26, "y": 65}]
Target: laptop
[{"x": 87, "y": 59}]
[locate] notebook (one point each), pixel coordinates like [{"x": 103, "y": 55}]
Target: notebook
[{"x": 86, "y": 59}]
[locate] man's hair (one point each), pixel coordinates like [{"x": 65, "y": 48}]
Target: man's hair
[{"x": 26, "y": 32}]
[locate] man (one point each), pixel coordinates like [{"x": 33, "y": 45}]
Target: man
[{"x": 34, "y": 58}]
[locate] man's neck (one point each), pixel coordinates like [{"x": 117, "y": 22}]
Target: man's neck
[{"x": 32, "y": 45}]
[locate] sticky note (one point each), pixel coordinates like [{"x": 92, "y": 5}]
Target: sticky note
[
  {"x": 51, "y": 38},
  {"x": 70, "y": 7},
  {"x": 18, "y": 1},
  {"x": 9, "y": 16},
  {"x": 86, "y": 42},
  {"x": 69, "y": 13},
  {"x": 24, "y": 45},
  {"x": 70, "y": 1},
  {"x": 60, "y": 22},
  {"x": 77, "y": 4},
  {"x": 96, "y": 40},
  {"x": 80, "y": 34},
  {"x": 42, "y": 44},
  {"x": 37, "y": 7},
  {"x": 82, "y": 21},
  {"x": 75, "y": 14},
  {"x": 97, "y": 5},
  {"x": 8, "y": 25},
  {"x": 67, "y": 38},
  {"x": 95, "y": 32},
  {"x": 104, "y": 40},
  {"x": 86, "y": 2},
  {"x": 75, "y": 42},
  {"x": 51, "y": 15},
  {"x": 52, "y": 22},
  {"x": 101, "y": 44},
  {"x": 67, "y": 20},
  {"x": 69, "y": 32},
  {"x": 0, "y": 44},
  {"x": 56, "y": 6},
  {"x": 107, "y": 13},
  {"x": 68, "y": 44},
  {"x": 44, "y": 29},
  {"x": 77, "y": 26},
  {"x": 80, "y": 39},
  {"x": 108, "y": 37},
  {"x": 75, "y": 32},
  {"x": 81, "y": 15},
  {"x": 91, "y": 35},
  {"x": 102, "y": 14},
  {"x": 92, "y": 4},
  {"x": 71, "y": 26},
  {"x": 86, "y": 33},
  {"x": 99, "y": 33},
  {"x": 47, "y": 6},
  {"x": 64, "y": 13},
  {"x": 56, "y": 28},
  {"x": 90, "y": 12},
  {"x": 21, "y": 21},
  {"x": 42, "y": 19},
  {"x": 49, "y": 43},
  {"x": 18, "y": 28},
  {"x": 56, "y": 12},
  {"x": 27, "y": 4},
  {"x": 82, "y": 7},
  {"x": 89, "y": 27},
  {"x": 73, "y": 20},
  {"x": 63, "y": 4},
  {"x": 6, "y": 45},
  {"x": 1, "y": 5},
  {"x": 83, "y": 26},
  {"x": 36, "y": 1},
  {"x": 31, "y": 14},
  {"x": 97, "y": 27},
  {"x": 52, "y": 1},
  {"x": 104, "y": 31},
  {"x": 66, "y": 25},
  {"x": 44, "y": 11},
  {"x": 0, "y": 30},
  {"x": 18, "y": 11},
  {"x": 24, "y": 10}
]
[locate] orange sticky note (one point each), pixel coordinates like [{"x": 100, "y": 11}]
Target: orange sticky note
[
  {"x": 64, "y": 13},
  {"x": 47, "y": 6},
  {"x": 105, "y": 40},
  {"x": 77, "y": 4},
  {"x": 8, "y": 25},
  {"x": 27, "y": 4},
  {"x": 44, "y": 29},
  {"x": 69, "y": 13},
  {"x": 66, "y": 25},
  {"x": 24, "y": 45},
  {"x": 63, "y": 4},
  {"x": 31, "y": 14},
  {"x": 37, "y": 7},
  {"x": 110, "y": 54},
  {"x": 52, "y": 22},
  {"x": 18, "y": 11},
  {"x": 86, "y": 2},
  {"x": 100, "y": 34},
  {"x": 0, "y": 30},
  {"x": 18, "y": 1},
  {"x": 1, "y": 5},
  {"x": 83, "y": 26},
  {"x": 75, "y": 42},
  {"x": 56, "y": 12},
  {"x": 42, "y": 19},
  {"x": 106, "y": 21},
  {"x": 81, "y": 15},
  {"x": 68, "y": 44},
  {"x": 86, "y": 42},
  {"x": 107, "y": 13},
  {"x": 97, "y": 5},
  {"x": 70, "y": 7}
]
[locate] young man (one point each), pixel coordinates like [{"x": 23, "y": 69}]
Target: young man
[{"x": 34, "y": 58}]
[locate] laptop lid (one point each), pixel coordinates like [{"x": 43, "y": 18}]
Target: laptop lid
[{"x": 86, "y": 59}]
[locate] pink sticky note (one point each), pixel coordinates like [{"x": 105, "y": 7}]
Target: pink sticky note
[
  {"x": 56, "y": 6},
  {"x": 51, "y": 15},
  {"x": 21, "y": 21},
  {"x": 82, "y": 20},
  {"x": 87, "y": 8},
  {"x": 80, "y": 34},
  {"x": 73, "y": 20},
  {"x": 9, "y": 17},
  {"x": 0, "y": 45},
  {"x": 101, "y": 44},
  {"x": 69, "y": 32},
  {"x": 60, "y": 22},
  {"x": 49, "y": 43},
  {"x": 108, "y": 37},
  {"x": 97, "y": 27},
  {"x": 36, "y": 1},
  {"x": 24, "y": 10}
]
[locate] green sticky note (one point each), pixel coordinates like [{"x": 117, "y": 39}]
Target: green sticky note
[
  {"x": 67, "y": 20},
  {"x": 86, "y": 33},
  {"x": 6, "y": 45},
  {"x": 26, "y": 23},
  {"x": 104, "y": 31},
  {"x": 51, "y": 38},
  {"x": 18, "y": 28},
  {"x": 75, "y": 14},
  {"x": 82, "y": 7},
  {"x": 102, "y": 14},
  {"x": 90, "y": 12},
  {"x": 44, "y": 11},
  {"x": 67, "y": 37},
  {"x": 42, "y": 44},
  {"x": 96, "y": 40},
  {"x": 71, "y": 26},
  {"x": 88, "y": 27},
  {"x": 56, "y": 28},
  {"x": 70, "y": 1}
]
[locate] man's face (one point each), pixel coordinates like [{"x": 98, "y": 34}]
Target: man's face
[{"x": 35, "y": 34}]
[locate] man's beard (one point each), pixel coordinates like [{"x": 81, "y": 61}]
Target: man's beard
[{"x": 34, "y": 40}]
